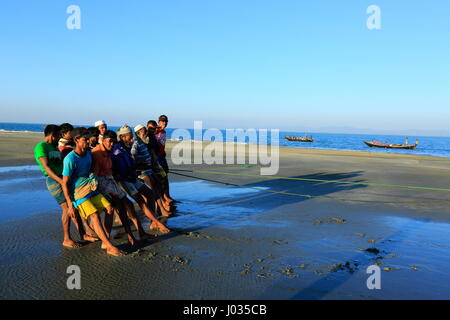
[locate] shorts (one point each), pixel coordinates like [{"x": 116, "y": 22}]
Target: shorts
[
  {"x": 132, "y": 188},
  {"x": 55, "y": 190},
  {"x": 163, "y": 162},
  {"x": 107, "y": 185},
  {"x": 92, "y": 205}
]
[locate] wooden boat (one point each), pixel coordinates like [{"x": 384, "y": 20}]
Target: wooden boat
[
  {"x": 376, "y": 144},
  {"x": 300, "y": 139}
]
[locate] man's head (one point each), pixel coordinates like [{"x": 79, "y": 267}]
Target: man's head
[
  {"x": 66, "y": 131},
  {"x": 93, "y": 134},
  {"x": 151, "y": 127},
  {"x": 109, "y": 139},
  {"x": 80, "y": 137},
  {"x": 125, "y": 136},
  {"x": 101, "y": 126},
  {"x": 52, "y": 133},
  {"x": 140, "y": 131},
  {"x": 163, "y": 121}
]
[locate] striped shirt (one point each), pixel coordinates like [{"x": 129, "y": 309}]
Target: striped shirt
[{"x": 139, "y": 152}]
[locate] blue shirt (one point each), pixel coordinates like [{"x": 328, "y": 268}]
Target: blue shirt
[
  {"x": 77, "y": 167},
  {"x": 122, "y": 162}
]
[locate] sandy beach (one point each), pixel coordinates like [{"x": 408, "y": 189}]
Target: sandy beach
[{"x": 238, "y": 235}]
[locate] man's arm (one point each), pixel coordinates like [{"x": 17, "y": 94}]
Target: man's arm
[
  {"x": 155, "y": 161},
  {"x": 67, "y": 172},
  {"x": 48, "y": 170},
  {"x": 65, "y": 188}
]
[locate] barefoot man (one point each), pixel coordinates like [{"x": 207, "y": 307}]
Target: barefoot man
[
  {"x": 50, "y": 161},
  {"x": 80, "y": 186},
  {"x": 124, "y": 169},
  {"x": 109, "y": 188},
  {"x": 153, "y": 148},
  {"x": 160, "y": 134},
  {"x": 144, "y": 162}
]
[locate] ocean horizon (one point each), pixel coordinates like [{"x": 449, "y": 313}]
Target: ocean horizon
[{"x": 428, "y": 145}]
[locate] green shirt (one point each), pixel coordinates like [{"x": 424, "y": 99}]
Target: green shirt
[{"x": 44, "y": 149}]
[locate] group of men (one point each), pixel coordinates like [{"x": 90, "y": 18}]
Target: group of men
[{"x": 92, "y": 170}]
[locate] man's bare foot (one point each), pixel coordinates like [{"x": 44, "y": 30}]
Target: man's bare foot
[
  {"x": 159, "y": 227},
  {"x": 71, "y": 244},
  {"x": 153, "y": 226},
  {"x": 164, "y": 229},
  {"x": 115, "y": 252},
  {"x": 104, "y": 246},
  {"x": 90, "y": 238}
]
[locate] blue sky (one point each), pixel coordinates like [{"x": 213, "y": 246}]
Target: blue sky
[{"x": 293, "y": 65}]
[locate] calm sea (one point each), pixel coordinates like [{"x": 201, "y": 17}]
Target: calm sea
[{"x": 433, "y": 146}]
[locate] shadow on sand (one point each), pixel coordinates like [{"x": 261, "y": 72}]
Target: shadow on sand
[{"x": 211, "y": 202}]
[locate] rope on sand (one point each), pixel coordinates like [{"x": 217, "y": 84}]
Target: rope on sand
[
  {"x": 316, "y": 180},
  {"x": 297, "y": 194}
]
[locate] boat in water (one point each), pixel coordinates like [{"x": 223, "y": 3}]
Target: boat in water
[
  {"x": 300, "y": 139},
  {"x": 377, "y": 144}
]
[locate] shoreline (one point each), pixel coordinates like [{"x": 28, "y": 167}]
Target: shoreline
[{"x": 16, "y": 149}]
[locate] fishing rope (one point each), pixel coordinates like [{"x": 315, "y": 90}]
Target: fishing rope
[
  {"x": 316, "y": 180},
  {"x": 301, "y": 195}
]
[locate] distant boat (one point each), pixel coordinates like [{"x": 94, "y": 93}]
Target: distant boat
[
  {"x": 300, "y": 139},
  {"x": 376, "y": 144}
]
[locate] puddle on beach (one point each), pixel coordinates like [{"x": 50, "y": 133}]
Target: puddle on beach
[
  {"x": 23, "y": 193},
  {"x": 204, "y": 191},
  {"x": 419, "y": 242},
  {"x": 19, "y": 169},
  {"x": 413, "y": 255},
  {"x": 206, "y": 204}
]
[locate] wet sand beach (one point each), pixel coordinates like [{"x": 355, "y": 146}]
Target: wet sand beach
[{"x": 235, "y": 238}]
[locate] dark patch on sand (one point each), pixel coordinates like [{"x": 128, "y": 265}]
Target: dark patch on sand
[
  {"x": 347, "y": 266},
  {"x": 279, "y": 242},
  {"x": 370, "y": 250},
  {"x": 331, "y": 220}
]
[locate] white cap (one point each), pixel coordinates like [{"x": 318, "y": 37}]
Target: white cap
[
  {"x": 99, "y": 123},
  {"x": 123, "y": 130},
  {"x": 138, "y": 127}
]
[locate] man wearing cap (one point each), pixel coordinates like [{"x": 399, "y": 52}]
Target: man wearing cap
[
  {"x": 144, "y": 162},
  {"x": 102, "y": 127},
  {"x": 161, "y": 137},
  {"x": 102, "y": 167},
  {"x": 124, "y": 170}
]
